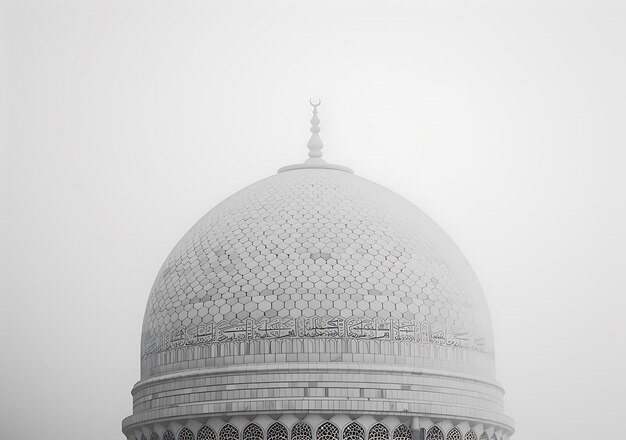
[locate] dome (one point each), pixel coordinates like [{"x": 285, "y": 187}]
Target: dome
[
  {"x": 316, "y": 305},
  {"x": 316, "y": 254}
]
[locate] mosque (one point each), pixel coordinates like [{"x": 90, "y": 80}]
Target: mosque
[{"x": 316, "y": 305}]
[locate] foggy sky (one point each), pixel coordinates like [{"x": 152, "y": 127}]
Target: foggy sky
[{"x": 122, "y": 123}]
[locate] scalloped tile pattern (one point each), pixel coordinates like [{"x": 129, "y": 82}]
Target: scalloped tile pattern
[{"x": 316, "y": 243}]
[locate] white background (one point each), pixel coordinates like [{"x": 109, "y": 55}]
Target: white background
[{"x": 124, "y": 121}]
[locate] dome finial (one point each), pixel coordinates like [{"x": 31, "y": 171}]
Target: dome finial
[{"x": 315, "y": 144}]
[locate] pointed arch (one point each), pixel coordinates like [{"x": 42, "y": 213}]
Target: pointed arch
[
  {"x": 327, "y": 431},
  {"x": 277, "y": 431},
  {"x": 378, "y": 432},
  {"x": 206, "y": 433},
  {"x": 253, "y": 432},
  {"x": 402, "y": 432},
  {"x": 301, "y": 431},
  {"x": 186, "y": 434},
  {"x": 229, "y": 432},
  {"x": 471, "y": 435},
  {"x": 494, "y": 437},
  {"x": 434, "y": 433},
  {"x": 353, "y": 431},
  {"x": 168, "y": 435},
  {"x": 483, "y": 436},
  {"x": 454, "y": 434},
  {"x": 154, "y": 436}
]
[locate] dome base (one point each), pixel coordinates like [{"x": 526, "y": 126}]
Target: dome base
[{"x": 317, "y": 388}]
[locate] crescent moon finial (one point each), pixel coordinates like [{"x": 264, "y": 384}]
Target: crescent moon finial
[{"x": 315, "y": 143}]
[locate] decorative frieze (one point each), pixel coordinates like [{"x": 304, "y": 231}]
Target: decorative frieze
[
  {"x": 310, "y": 328},
  {"x": 303, "y": 430}
]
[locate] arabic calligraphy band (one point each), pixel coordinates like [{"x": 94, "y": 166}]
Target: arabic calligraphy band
[{"x": 311, "y": 328}]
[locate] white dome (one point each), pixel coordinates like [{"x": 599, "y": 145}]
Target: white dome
[
  {"x": 316, "y": 255},
  {"x": 315, "y": 304}
]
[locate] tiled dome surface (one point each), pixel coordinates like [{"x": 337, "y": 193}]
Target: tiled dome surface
[{"x": 316, "y": 243}]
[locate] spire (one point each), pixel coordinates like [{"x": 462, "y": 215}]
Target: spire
[{"x": 315, "y": 144}]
